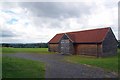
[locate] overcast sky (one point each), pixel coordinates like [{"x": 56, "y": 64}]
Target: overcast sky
[{"x": 33, "y": 22}]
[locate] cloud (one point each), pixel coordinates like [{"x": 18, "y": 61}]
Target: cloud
[
  {"x": 58, "y": 14},
  {"x": 7, "y": 33},
  {"x": 40, "y": 21},
  {"x": 12, "y": 21},
  {"x": 119, "y": 20},
  {"x": 8, "y": 11},
  {"x": 56, "y": 9}
]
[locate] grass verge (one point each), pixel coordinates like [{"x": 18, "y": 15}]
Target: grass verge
[
  {"x": 22, "y": 68},
  {"x": 107, "y": 63}
]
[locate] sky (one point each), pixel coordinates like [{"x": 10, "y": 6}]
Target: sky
[{"x": 36, "y": 21}]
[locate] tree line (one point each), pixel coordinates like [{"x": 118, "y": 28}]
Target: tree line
[
  {"x": 32, "y": 45},
  {"x": 27, "y": 45}
]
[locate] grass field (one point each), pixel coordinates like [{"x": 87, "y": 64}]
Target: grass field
[
  {"x": 22, "y": 68},
  {"x": 25, "y": 50},
  {"x": 11, "y": 65},
  {"x": 0, "y": 62},
  {"x": 0, "y": 66},
  {"x": 107, "y": 63}
]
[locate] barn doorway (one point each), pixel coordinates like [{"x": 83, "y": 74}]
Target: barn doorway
[{"x": 65, "y": 46}]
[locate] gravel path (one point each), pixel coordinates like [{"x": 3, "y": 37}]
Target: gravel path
[{"x": 57, "y": 68}]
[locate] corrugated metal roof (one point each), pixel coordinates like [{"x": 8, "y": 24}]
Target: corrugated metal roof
[{"x": 86, "y": 36}]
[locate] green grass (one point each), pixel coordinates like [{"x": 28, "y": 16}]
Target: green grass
[
  {"x": 107, "y": 63},
  {"x": 22, "y": 68},
  {"x": 25, "y": 50},
  {"x": 0, "y": 62},
  {"x": 0, "y": 66}
]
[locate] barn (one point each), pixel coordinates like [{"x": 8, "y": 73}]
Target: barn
[{"x": 98, "y": 42}]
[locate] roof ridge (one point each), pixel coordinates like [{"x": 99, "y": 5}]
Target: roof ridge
[
  {"x": 89, "y": 30},
  {"x": 85, "y": 30}
]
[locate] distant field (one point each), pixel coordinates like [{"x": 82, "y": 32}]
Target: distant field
[
  {"x": 25, "y": 50},
  {"x": 108, "y": 63},
  {"x": 22, "y": 68}
]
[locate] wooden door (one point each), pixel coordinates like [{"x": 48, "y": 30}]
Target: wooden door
[{"x": 65, "y": 47}]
